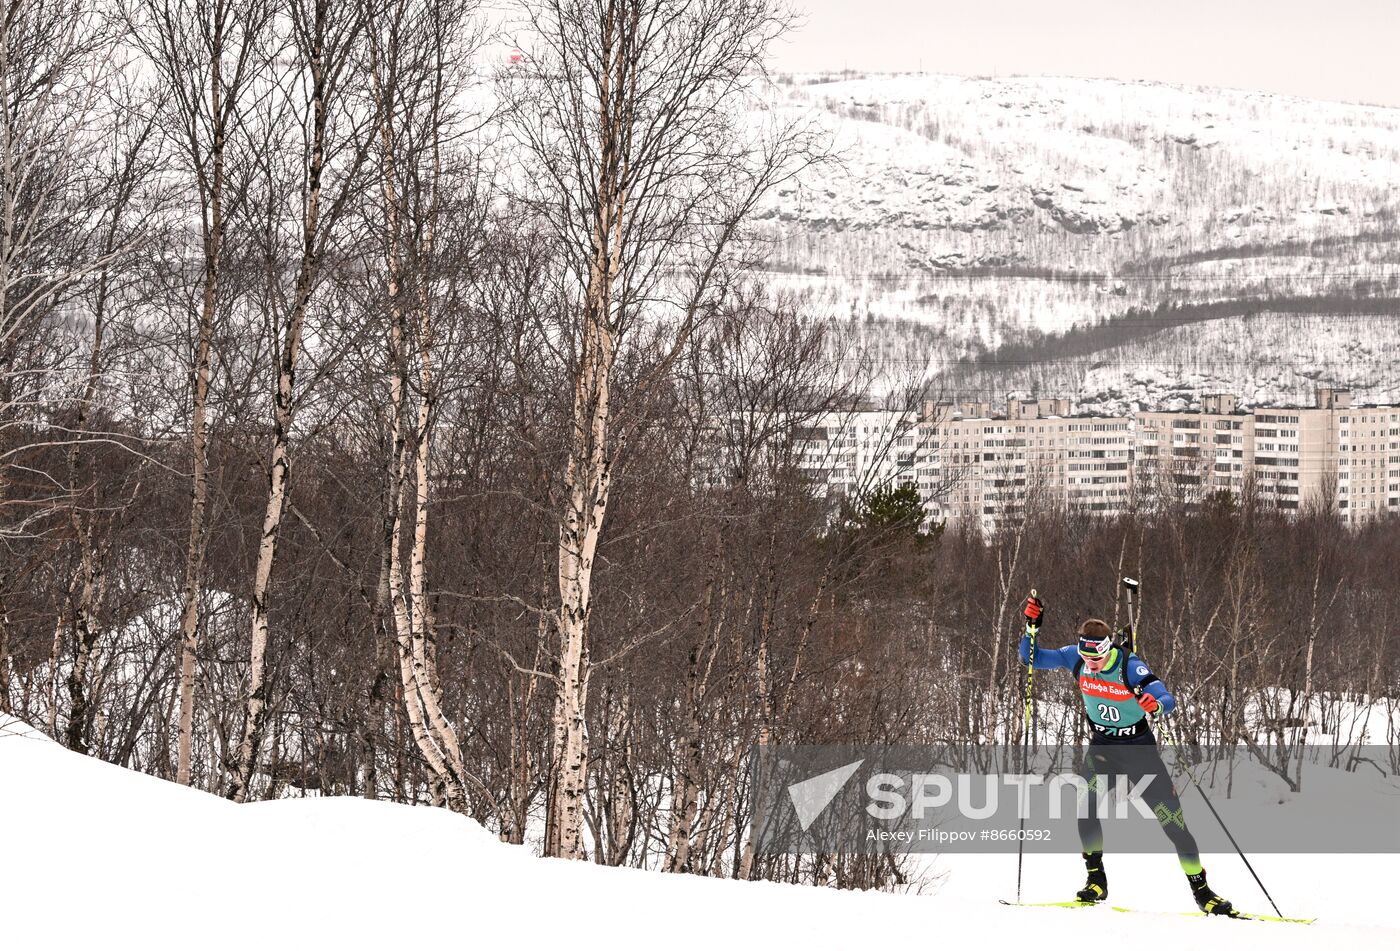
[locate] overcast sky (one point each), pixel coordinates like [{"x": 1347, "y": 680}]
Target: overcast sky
[{"x": 1347, "y": 50}]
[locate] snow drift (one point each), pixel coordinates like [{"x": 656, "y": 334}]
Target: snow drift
[{"x": 98, "y": 856}]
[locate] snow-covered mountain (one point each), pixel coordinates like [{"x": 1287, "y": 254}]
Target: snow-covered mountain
[{"x": 960, "y": 216}]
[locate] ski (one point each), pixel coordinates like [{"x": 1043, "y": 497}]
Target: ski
[
  {"x": 1049, "y": 904},
  {"x": 1238, "y": 916}
]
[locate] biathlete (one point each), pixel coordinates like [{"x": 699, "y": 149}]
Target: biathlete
[{"x": 1120, "y": 696}]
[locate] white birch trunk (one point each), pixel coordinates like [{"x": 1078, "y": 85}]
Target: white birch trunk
[
  {"x": 283, "y": 418},
  {"x": 413, "y": 626},
  {"x": 199, "y": 463},
  {"x": 587, "y": 482},
  {"x": 86, "y": 630},
  {"x": 55, "y": 654},
  {"x": 90, "y": 558},
  {"x": 6, "y": 705},
  {"x": 587, "y": 476}
]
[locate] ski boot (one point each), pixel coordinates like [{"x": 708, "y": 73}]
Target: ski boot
[
  {"x": 1206, "y": 899},
  {"x": 1096, "y": 888}
]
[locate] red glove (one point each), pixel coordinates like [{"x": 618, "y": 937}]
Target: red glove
[
  {"x": 1034, "y": 611},
  {"x": 1148, "y": 702}
]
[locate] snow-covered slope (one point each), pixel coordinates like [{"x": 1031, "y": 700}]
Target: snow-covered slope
[
  {"x": 975, "y": 211},
  {"x": 1164, "y": 167},
  {"x": 1265, "y": 359},
  {"x": 96, "y": 856}
]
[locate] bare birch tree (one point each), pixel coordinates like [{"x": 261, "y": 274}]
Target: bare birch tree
[
  {"x": 208, "y": 57},
  {"x": 63, "y": 101},
  {"x": 55, "y": 61},
  {"x": 627, "y": 109},
  {"x": 312, "y": 104},
  {"x": 128, "y": 166},
  {"x": 419, "y": 53}
]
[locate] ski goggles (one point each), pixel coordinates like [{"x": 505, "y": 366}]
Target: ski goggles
[{"x": 1095, "y": 650}]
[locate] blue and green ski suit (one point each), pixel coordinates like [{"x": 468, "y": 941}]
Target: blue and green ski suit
[{"x": 1117, "y": 721}]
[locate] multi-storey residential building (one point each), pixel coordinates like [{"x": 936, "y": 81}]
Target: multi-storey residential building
[
  {"x": 855, "y": 451},
  {"x": 1187, "y": 455},
  {"x": 1367, "y": 468},
  {"x": 1277, "y": 467},
  {"x": 1330, "y": 453},
  {"x": 1392, "y": 489},
  {"x": 1099, "y": 452},
  {"x": 971, "y": 462},
  {"x": 986, "y": 467}
]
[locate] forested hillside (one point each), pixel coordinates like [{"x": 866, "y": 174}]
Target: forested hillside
[{"x": 964, "y": 215}]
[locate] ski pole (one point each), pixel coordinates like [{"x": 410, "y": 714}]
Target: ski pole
[
  {"x": 1226, "y": 829},
  {"x": 1031, "y": 632},
  {"x": 1132, "y": 586}
]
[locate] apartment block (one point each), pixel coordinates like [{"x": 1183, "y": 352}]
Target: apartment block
[
  {"x": 1368, "y": 460},
  {"x": 1188, "y": 455},
  {"x": 854, "y": 452},
  {"x": 982, "y": 464},
  {"x": 1332, "y": 453},
  {"x": 973, "y": 462}
]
